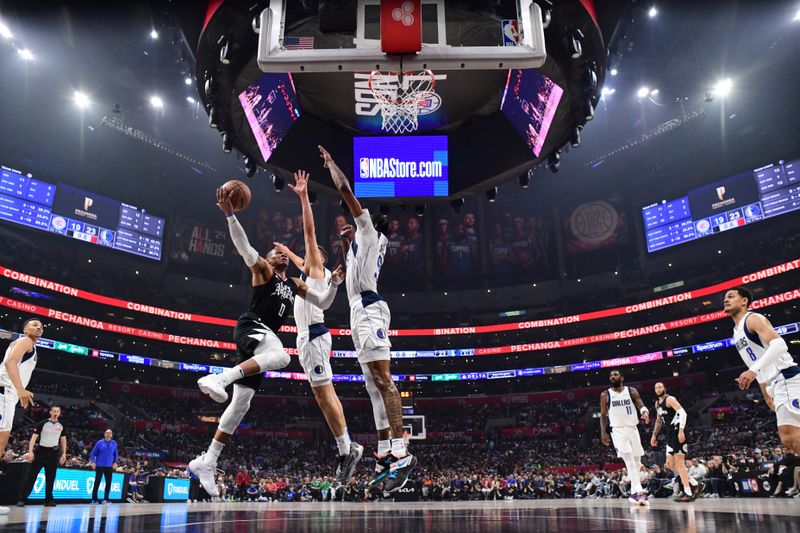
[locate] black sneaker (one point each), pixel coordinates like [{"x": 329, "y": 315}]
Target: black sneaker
[
  {"x": 49, "y": 504},
  {"x": 382, "y": 465},
  {"x": 697, "y": 490},
  {"x": 684, "y": 498},
  {"x": 399, "y": 471},
  {"x": 347, "y": 463},
  {"x": 21, "y": 503}
]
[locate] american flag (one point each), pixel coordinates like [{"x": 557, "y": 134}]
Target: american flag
[{"x": 298, "y": 43}]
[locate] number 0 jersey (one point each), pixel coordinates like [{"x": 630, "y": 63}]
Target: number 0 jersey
[
  {"x": 273, "y": 300},
  {"x": 751, "y": 349}
]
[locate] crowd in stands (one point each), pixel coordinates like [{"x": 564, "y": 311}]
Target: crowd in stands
[{"x": 563, "y": 460}]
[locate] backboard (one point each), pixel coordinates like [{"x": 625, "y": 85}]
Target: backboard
[{"x": 295, "y": 36}]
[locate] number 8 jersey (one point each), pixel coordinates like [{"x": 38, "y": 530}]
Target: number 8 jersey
[{"x": 751, "y": 349}]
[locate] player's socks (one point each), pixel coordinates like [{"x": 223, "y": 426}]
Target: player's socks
[
  {"x": 384, "y": 447},
  {"x": 399, "y": 448},
  {"x": 213, "y": 452},
  {"x": 343, "y": 443},
  {"x": 230, "y": 375}
]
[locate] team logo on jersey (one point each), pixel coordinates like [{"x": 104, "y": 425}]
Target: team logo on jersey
[
  {"x": 380, "y": 333},
  {"x": 796, "y": 403},
  {"x": 318, "y": 370}
]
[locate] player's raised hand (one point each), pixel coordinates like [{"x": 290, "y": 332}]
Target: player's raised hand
[
  {"x": 326, "y": 157},
  {"x": 282, "y": 248},
  {"x": 347, "y": 232},
  {"x": 300, "y": 186},
  {"x": 337, "y": 276},
  {"x": 224, "y": 201}
]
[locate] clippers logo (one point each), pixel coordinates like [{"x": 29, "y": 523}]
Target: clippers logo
[
  {"x": 404, "y": 13},
  {"x": 87, "y": 203}
]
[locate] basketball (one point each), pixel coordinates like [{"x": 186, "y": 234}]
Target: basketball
[{"x": 241, "y": 194}]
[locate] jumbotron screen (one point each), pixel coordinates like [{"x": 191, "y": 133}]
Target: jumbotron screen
[
  {"x": 79, "y": 214},
  {"x": 730, "y": 203}
]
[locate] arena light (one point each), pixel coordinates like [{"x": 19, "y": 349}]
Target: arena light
[
  {"x": 153, "y": 34},
  {"x": 575, "y": 136},
  {"x": 419, "y": 210},
  {"x": 575, "y": 47},
  {"x": 723, "y": 88},
  {"x": 654, "y": 92},
  {"x": 225, "y": 52},
  {"x": 213, "y": 117},
  {"x": 191, "y": 100},
  {"x": 156, "y": 102},
  {"x": 547, "y": 18},
  {"x": 653, "y": 12},
  {"x": 607, "y": 91},
  {"x": 491, "y": 195},
  {"x": 5, "y": 32},
  {"x": 588, "y": 109},
  {"x": 524, "y": 180},
  {"x": 457, "y": 204},
  {"x": 227, "y": 143},
  {"x": 590, "y": 78},
  {"x": 643, "y": 92},
  {"x": 796, "y": 15},
  {"x": 278, "y": 183},
  {"x": 614, "y": 72},
  {"x": 250, "y": 166},
  {"x": 209, "y": 87},
  {"x": 554, "y": 161},
  {"x": 81, "y": 99},
  {"x": 25, "y": 54},
  {"x": 187, "y": 80}
]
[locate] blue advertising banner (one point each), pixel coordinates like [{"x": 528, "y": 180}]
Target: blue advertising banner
[
  {"x": 76, "y": 485},
  {"x": 176, "y": 489}
]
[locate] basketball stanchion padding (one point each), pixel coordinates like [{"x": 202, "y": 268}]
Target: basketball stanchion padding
[{"x": 401, "y": 26}]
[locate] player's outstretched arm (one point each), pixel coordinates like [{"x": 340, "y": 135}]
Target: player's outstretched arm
[
  {"x": 341, "y": 182},
  {"x": 637, "y": 401},
  {"x": 313, "y": 266},
  {"x": 322, "y": 299},
  {"x": 239, "y": 237}
]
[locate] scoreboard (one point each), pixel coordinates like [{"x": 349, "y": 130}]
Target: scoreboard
[
  {"x": 724, "y": 205},
  {"x": 78, "y": 214}
]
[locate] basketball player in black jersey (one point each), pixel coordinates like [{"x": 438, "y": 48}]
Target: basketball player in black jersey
[
  {"x": 257, "y": 343},
  {"x": 670, "y": 412}
]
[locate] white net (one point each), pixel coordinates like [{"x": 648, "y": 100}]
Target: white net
[{"x": 401, "y": 96}]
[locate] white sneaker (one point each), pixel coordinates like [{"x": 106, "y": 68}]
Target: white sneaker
[
  {"x": 212, "y": 385},
  {"x": 205, "y": 473},
  {"x": 4, "y": 510}
]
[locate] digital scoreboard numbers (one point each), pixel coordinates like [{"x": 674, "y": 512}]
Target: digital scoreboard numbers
[
  {"x": 79, "y": 214},
  {"x": 728, "y": 204}
]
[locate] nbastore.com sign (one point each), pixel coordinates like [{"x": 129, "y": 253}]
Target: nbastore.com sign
[{"x": 388, "y": 167}]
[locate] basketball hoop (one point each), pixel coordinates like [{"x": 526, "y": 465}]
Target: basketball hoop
[{"x": 401, "y": 95}]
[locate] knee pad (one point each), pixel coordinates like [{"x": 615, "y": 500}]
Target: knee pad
[{"x": 234, "y": 413}]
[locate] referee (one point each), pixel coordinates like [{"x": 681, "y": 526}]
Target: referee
[{"x": 50, "y": 452}]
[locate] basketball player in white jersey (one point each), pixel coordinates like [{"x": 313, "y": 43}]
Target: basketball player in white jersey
[
  {"x": 769, "y": 362},
  {"x": 669, "y": 412},
  {"x": 314, "y": 339},
  {"x": 15, "y": 374},
  {"x": 620, "y": 409},
  {"x": 369, "y": 325},
  {"x": 258, "y": 346}
]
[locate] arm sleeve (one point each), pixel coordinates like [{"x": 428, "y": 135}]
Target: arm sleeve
[
  {"x": 323, "y": 299},
  {"x": 241, "y": 243},
  {"x": 777, "y": 347},
  {"x": 365, "y": 232},
  {"x": 680, "y": 418}
]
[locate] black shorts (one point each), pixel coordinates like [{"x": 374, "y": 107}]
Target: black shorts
[
  {"x": 247, "y": 335},
  {"x": 674, "y": 444}
]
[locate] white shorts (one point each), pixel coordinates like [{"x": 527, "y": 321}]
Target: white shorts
[
  {"x": 369, "y": 327},
  {"x": 787, "y": 415},
  {"x": 786, "y": 395},
  {"x": 315, "y": 358},
  {"x": 627, "y": 440},
  {"x": 8, "y": 404}
]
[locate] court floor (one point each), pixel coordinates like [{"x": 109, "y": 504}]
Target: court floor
[{"x": 578, "y": 516}]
